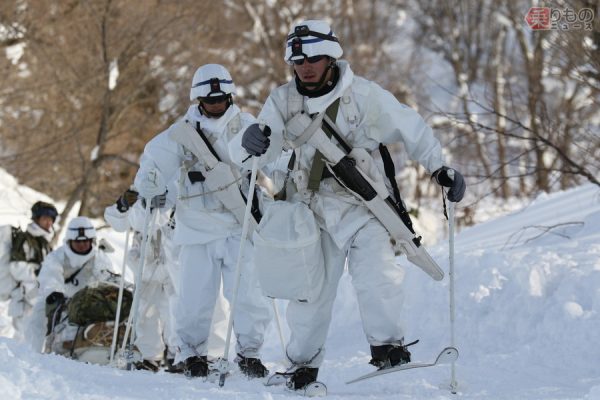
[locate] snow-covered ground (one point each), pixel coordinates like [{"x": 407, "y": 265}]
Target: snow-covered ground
[{"x": 527, "y": 326}]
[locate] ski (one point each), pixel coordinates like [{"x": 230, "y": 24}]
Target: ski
[
  {"x": 446, "y": 356},
  {"x": 313, "y": 389}
]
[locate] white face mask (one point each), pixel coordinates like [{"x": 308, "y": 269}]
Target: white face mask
[{"x": 77, "y": 260}]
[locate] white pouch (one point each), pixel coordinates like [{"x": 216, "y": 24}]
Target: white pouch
[{"x": 287, "y": 252}]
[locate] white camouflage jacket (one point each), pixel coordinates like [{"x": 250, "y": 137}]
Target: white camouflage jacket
[
  {"x": 368, "y": 115},
  {"x": 200, "y": 216},
  {"x": 63, "y": 263}
]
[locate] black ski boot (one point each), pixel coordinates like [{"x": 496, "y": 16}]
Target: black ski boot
[
  {"x": 252, "y": 367},
  {"x": 173, "y": 368},
  {"x": 302, "y": 377},
  {"x": 147, "y": 365},
  {"x": 390, "y": 355},
  {"x": 195, "y": 366}
]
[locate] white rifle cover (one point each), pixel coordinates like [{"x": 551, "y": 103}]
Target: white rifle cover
[
  {"x": 300, "y": 127},
  {"x": 220, "y": 178}
]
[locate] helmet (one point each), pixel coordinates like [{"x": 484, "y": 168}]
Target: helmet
[
  {"x": 80, "y": 228},
  {"x": 211, "y": 80},
  {"x": 311, "y": 38},
  {"x": 42, "y": 208}
]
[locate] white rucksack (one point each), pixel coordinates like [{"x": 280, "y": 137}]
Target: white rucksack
[
  {"x": 7, "y": 282},
  {"x": 287, "y": 252}
]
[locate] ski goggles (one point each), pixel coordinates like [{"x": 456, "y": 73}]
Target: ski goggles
[
  {"x": 213, "y": 99},
  {"x": 311, "y": 60}
]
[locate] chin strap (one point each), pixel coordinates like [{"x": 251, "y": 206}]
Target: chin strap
[{"x": 319, "y": 84}]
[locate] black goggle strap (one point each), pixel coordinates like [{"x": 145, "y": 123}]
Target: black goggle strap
[
  {"x": 81, "y": 233},
  {"x": 303, "y": 31},
  {"x": 215, "y": 85}
]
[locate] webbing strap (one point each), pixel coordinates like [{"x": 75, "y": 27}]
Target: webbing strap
[
  {"x": 205, "y": 140},
  {"x": 390, "y": 172},
  {"x": 318, "y": 165}
]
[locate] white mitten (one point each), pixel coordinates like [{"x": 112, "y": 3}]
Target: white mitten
[{"x": 152, "y": 185}]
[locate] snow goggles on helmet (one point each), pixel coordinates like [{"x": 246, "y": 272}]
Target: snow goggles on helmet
[
  {"x": 311, "y": 60},
  {"x": 213, "y": 99},
  {"x": 298, "y": 55},
  {"x": 81, "y": 236}
]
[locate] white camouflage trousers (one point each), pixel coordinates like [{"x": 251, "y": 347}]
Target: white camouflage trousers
[
  {"x": 377, "y": 280},
  {"x": 202, "y": 269}
]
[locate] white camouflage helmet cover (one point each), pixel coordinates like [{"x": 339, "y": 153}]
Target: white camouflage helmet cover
[
  {"x": 80, "y": 228},
  {"x": 312, "y": 45},
  {"x": 205, "y": 81}
]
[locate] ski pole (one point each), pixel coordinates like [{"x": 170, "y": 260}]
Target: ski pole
[
  {"x": 223, "y": 363},
  {"x": 278, "y": 321},
  {"x": 146, "y": 237},
  {"x": 113, "y": 345},
  {"x": 451, "y": 220}
]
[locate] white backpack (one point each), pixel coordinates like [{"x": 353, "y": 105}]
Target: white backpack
[
  {"x": 287, "y": 252},
  {"x": 7, "y": 282}
]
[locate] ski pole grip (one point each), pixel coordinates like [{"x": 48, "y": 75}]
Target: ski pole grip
[
  {"x": 265, "y": 129},
  {"x": 450, "y": 174}
]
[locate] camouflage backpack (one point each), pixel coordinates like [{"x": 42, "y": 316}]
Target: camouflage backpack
[
  {"x": 98, "y": 304},
  {"x": 37, "y": 245}
]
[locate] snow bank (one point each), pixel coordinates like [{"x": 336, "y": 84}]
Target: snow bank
[{"x": 527, "y": 297}]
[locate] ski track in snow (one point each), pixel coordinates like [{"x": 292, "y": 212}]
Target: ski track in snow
[{"x": 527, "y": 323}]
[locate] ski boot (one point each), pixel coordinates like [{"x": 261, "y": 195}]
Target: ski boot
[
  {"x": 390, "y": 355},
  {"x": 302, "y": 380},
  {"x": 173, "y": 368},
  {"x": 195, "y": 366},
  {"x": 147, "y": 365},
  {"x": 302, "y": 377},
  {"x": 252, "y": 367}
]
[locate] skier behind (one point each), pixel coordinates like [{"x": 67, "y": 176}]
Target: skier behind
[
  {"x": 152, "y": 330},
  {"x": 207, "y": 231},
  {"x": 80, "y": 291},
  {"x": 21, "y": 260},
  {"x": 366, "y": 117}
]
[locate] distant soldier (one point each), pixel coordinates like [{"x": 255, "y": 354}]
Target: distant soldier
[
  {"x": 80, "y": 292},
  {"x": 21, "y": 258}
]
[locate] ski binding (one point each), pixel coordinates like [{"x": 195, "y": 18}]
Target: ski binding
[
  {"x": 313, "y": 389},
  {"x": 447, "y": 356}
]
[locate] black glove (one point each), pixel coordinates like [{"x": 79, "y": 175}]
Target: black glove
[
  {"x": 457, "y": 184},
  {"x": 126, "y": 200},
  {"x": 55, "y": 298},
  {"x": 255, "y": 140}
]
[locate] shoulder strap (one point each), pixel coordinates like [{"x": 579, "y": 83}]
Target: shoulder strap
[
  {"x": 318, "y": 165},
  {"x": 282, "y": 194},
  {"x": 205, "y": 140},
  {"x": 71, "y": 278},
  {"x": 390, "y": 172}
]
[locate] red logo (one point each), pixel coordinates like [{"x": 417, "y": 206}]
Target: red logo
[{"x": 538, "y": 18}]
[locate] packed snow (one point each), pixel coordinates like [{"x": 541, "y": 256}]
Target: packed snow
[{"x": 527, "y": 323}]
